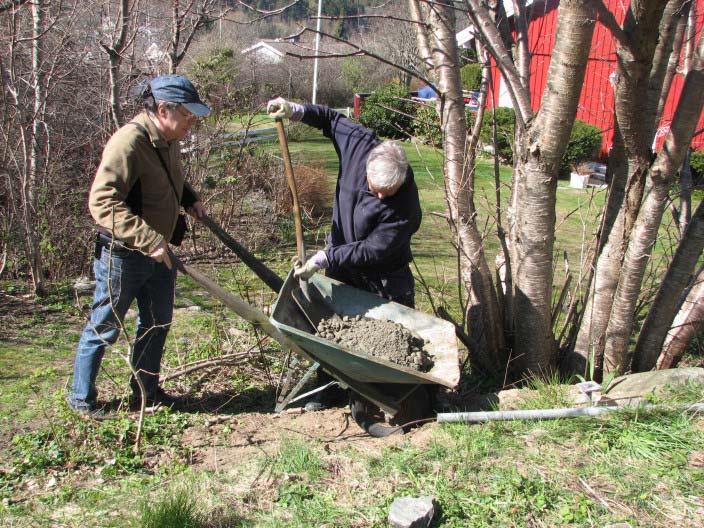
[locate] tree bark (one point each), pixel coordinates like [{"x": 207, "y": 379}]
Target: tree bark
[
  {"x": 629, "y": 161},
  {"x": 483, "y": 317},
  {"x": 660, "y": 177},
  {"x": 540, "y": 150},
  {"x": 666, "y": 57},
  {"x": 669, "y": 298},
  {"x": 114, "y": 51},
  {"x": 36, "y": 157},
  {"x": 688, "y": 323}
]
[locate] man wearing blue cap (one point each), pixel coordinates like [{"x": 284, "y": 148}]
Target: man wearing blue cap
[{"x": 135, "y": 201}]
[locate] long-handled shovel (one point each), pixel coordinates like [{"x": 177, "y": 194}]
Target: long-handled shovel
[{"x": 307, "y": 297}]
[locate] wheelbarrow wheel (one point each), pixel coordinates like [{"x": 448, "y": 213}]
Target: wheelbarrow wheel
[{"x": 416, "y": 406}]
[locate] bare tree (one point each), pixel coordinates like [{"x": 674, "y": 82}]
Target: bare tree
[
  {"x": 186, "y": 21},
  {"x": 123, "y": 34}
]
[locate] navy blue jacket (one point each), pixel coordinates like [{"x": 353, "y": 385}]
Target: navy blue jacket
[{"x": 368, "y": 236}]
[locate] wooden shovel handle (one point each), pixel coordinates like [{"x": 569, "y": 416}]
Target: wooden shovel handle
[{"x": 300, "y": 246}]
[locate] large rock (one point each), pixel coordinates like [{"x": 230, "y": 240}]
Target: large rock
[
  {"x": 632, "y": 388},
  {"x": 412, "y": 512}
]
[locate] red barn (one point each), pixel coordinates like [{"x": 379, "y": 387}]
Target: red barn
[{"x": 597, "y": 99}]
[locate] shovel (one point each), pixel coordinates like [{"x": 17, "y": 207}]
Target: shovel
[{"x": 307, "y": 297}]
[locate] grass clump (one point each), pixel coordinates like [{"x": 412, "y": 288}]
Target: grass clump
[
  {"x": 297, "y": 457},
  {"x": 175, "y": 510}
]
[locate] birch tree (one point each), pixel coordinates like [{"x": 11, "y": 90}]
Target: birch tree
[{"x": 639, "y": 181}]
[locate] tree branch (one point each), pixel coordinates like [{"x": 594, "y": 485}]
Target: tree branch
[
  {"x": 481, "y": 18},
  {"x": 11, "y": 4}
]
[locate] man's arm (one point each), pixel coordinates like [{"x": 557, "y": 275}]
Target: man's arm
[{"x": 382, "y": 245}]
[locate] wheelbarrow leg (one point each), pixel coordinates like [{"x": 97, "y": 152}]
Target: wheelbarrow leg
[{"x": 280, "y": 406}]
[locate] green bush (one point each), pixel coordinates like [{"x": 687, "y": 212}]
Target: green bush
[
  {"x": 471, "y": 75},
  {"x": 505, "y": 123},
  {"x": 216, "y": 75},
  {"x": 388, "y": 111},
  {"x": 696, "y": 163},
  {"x": 585, "y": 141},
  {"x": 426, "y": 125}
]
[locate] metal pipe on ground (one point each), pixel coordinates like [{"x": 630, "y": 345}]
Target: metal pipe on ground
[{"x": 547, "y": 414}]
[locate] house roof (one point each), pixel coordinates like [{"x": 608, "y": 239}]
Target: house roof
[{"x": 279, "y": 48}]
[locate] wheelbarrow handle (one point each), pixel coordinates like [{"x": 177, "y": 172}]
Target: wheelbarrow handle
[{"x": 247, "y": 312}]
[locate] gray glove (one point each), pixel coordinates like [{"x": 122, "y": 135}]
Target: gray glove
[
  {"x": 279, "y": 108},
  {"x": 305, "y": 271}
]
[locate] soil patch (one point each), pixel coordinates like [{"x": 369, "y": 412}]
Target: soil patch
[{"x": 381, "y": 339}]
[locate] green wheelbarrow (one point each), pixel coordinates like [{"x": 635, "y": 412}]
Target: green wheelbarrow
[{"x": 384, "y": 397}]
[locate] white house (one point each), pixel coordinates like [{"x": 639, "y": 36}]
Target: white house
[{"x": 272, "y": 51}]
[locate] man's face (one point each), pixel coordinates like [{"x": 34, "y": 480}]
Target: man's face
[
  {"x": 175, "y": 122},
  {"x": 380, "y": 193}
]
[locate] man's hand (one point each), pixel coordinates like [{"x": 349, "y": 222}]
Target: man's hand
[
  {"x": 312, "y": 265},
  {"x": 197, "y": 210},
  {"x": 161, "y": 254},
  {"x": 279, "y": 108}
]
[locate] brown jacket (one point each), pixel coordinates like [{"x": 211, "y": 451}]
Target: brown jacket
[{"x": 128, "y": 157}]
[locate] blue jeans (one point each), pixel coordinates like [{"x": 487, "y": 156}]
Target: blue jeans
[{"x": 119, "y": 279}]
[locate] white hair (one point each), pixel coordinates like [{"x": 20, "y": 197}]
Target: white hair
[{"x": 387, "y": 166}]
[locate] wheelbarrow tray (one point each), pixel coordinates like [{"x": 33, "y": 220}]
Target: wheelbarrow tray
[{"x": 354, "y": 367}]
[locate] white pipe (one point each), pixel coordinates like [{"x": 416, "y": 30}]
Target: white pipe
[
  {"x": 317, "y": 47},
  {"x": 545, "y": 414}
]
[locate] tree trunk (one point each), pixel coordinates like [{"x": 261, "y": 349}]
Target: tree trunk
[
  {"x": 114, "y": 51},
  {"x": 688, "y": 323},
  {"x": 483, "y": 319},
  {"x": 629, "y": 161},
  {"x": 36, "y": 151},
  {"x": 667, "y": 53},
  {"x": 661, "y": 176},
  {"x": 540, "y": 150},
  {"x": 669, "y": 297}
]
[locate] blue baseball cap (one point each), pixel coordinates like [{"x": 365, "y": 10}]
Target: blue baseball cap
[{"x": 178, "y": 89}]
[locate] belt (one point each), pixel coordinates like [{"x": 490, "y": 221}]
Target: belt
[{"x": 104, "y": 239}]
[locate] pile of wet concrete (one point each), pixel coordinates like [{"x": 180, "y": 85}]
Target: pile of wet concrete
[{"x": 380, "y": 339}]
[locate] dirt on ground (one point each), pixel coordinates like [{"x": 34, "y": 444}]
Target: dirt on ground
[
  {"x": 380, "y": 339},
  {"x": 226, "y": 440}
]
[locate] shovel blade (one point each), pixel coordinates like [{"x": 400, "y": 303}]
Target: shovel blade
[{"x": 312, "y": 304}]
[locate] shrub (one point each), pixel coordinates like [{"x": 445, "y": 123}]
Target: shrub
[
  {"x": 505, "y": 123},
  {"x": 585, "y": 141},
  {"x": 216, "y": 73},
  {"x": 388, "y": 111},
  {"x": 696, "y": 163},
  {"x": 471, "y": 75},
  {"x": 426, "y": 125}
]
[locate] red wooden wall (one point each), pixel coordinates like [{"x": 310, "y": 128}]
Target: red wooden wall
[{"x": 597, "y": 98}]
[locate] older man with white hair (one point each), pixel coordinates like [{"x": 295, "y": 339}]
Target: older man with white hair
[{"x": 376, "y": 209}]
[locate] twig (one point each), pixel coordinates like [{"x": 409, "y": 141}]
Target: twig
[
  {"x": 228, "y": 359},
  {"x": 595, "y": 495}
]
